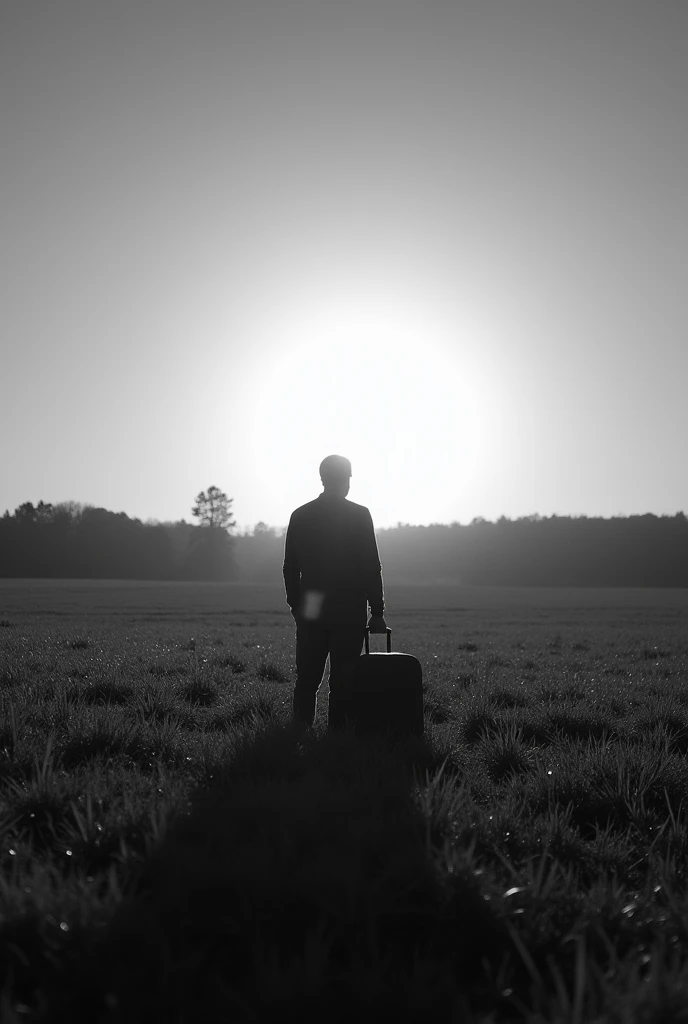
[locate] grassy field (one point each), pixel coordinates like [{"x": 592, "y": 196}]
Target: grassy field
[{"x": 173, "y": 850}]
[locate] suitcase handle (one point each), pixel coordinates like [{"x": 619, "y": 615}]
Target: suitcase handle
[{"x": 388, "y": 631}]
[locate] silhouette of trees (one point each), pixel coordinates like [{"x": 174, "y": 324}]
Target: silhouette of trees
[
  {"x": 210, "y": 552},
  {"x": 260, "y": 553},
  {"x": 71, "y": 540},
  {"x": 541, "y": 551},
  {"x": 213, "y": 509},
  {"x": 81, "y": 541}
]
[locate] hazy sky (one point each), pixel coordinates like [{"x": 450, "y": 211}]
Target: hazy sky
[{"x": 446, "y": 239}]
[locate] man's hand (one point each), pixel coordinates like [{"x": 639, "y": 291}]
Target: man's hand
[{"x": 377, "y": 624}]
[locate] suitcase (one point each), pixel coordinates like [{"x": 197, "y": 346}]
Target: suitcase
[{"x": 384, "y": 692}]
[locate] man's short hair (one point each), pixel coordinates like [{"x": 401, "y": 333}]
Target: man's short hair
[{"x": 335, "y": 467}]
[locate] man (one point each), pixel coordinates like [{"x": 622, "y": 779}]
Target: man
[{"x": 332, "y": 573}]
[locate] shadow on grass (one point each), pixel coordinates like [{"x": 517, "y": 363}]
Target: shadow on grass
[{"x": 302, "y": 885}]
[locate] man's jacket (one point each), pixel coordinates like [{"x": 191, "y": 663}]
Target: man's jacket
[{"x": 332, "y": 567}]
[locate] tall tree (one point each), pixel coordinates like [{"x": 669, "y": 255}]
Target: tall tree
[
  {"x": 213, "y": 509},
  {"x": 210, "y": 554}
]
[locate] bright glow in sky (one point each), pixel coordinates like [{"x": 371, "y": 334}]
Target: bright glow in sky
[
  {"x": 382, "y": 385},
  {"x": 446, "y": 240}
]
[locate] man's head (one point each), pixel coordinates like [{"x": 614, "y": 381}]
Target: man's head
[{"x": 335, "y": 473}]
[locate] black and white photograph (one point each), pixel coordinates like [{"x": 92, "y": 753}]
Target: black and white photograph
[{"x": 344, "y": 511}]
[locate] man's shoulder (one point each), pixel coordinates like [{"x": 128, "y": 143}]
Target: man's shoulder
[
  {"x": 303, "y": 511},
  {"x": 323, "y": 509},
  {"x": 357, "y": 510}
]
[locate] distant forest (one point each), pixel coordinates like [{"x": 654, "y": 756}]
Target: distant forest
[{"x": 78, "y": 541}]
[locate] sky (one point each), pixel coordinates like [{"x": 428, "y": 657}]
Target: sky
[{"x": 444, "y": 239}]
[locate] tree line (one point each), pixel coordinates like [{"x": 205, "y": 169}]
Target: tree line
[
  {"x": 70, "y": 540},
  {"x": 555, "y": 551}
]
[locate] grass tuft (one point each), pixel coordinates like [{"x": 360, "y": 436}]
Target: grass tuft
[
  {"x": 161, "y": 671},
  {"x": 251, "y": 709},
  {"x": 231, "y": 661},
  {"x": 476, "y": 724},
  {"x": 273, "y": 673},
  {"x": 105, "y": 693},
  {"x": 580, "y": 726},
  {"x": 504, "y": 698},
  {"x": 102, "y": 740},
  {"x": 203, "y": 694},
  {"x": 436, "y": 710},
  {"x": 506, "y": 753}
]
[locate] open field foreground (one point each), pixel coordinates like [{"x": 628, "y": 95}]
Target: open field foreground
[{"x": 172, "y": 850}]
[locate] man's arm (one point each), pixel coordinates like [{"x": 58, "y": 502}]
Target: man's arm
[
  {"x": 291, "y": 569},
  {"x": 373, "y": 572}
]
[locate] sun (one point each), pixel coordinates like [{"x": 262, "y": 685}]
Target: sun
[{"x": 390, "y": 396}]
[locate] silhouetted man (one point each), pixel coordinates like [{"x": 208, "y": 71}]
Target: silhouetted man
[{"x": 332, "y": 573}]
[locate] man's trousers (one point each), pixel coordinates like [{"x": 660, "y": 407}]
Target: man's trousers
[{"x": 313, "y": 644}]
